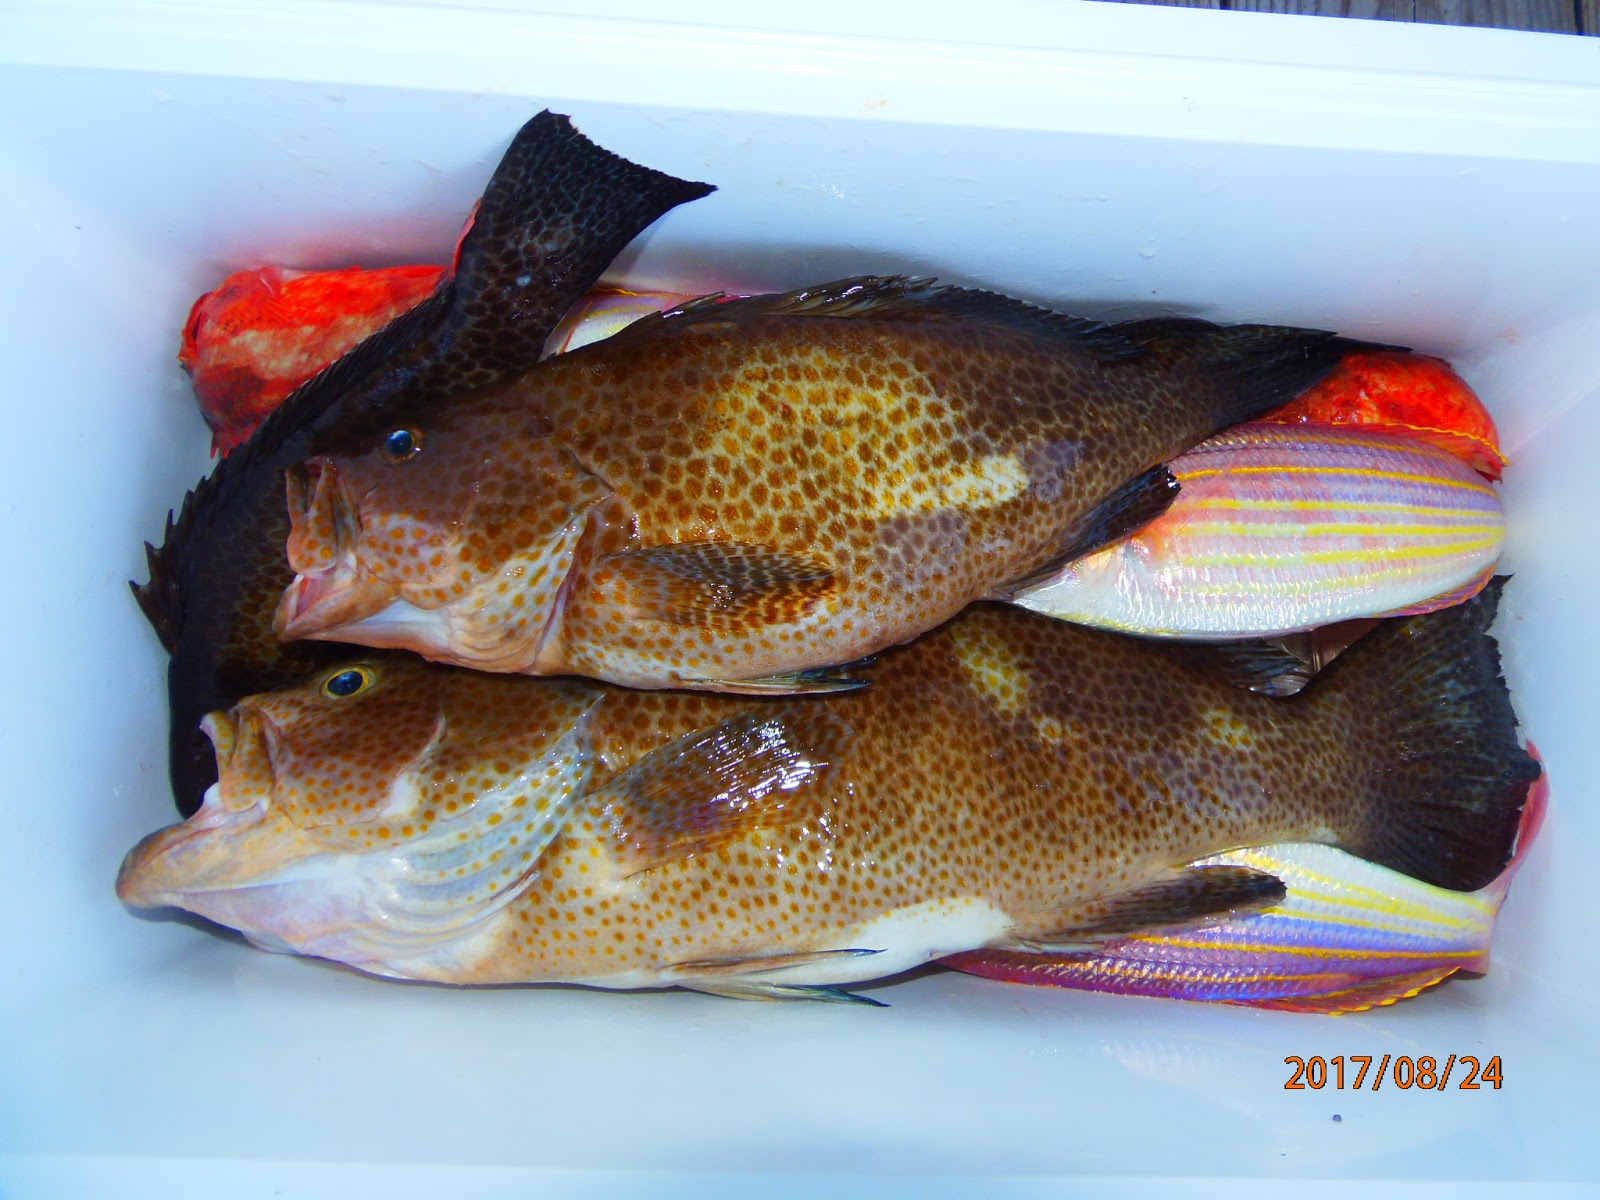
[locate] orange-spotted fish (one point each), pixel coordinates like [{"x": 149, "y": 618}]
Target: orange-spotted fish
[
  {"x": 556, "y": 212},
  {"x": 739, "y": 493},
  {"x": 1412, "y": 394},
  {"x": 1347, "y": 936},
  {"x": 1008, "y": 783},
  {"x": 1282, "y": 528}
]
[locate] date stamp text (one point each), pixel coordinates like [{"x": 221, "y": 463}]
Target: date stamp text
[{"x": 1466, "y": 1072}]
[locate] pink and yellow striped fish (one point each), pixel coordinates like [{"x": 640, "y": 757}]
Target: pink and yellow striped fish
[
  {"x": 1282, "y": 528},
  {"x": 1347, "y": 936}
]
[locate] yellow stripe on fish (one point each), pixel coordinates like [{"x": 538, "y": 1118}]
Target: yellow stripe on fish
[{"x": 1323, "y": 526}]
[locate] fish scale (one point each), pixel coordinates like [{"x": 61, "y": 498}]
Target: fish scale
[
  {"x": 1279, "y": 528},
  {"x": 990, "y": 790},
  {"x": 769, "y": 486}
]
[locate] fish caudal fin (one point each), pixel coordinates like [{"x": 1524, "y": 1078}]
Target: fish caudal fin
[
  {"x": 1449, "y": 778},
  {"x": 1346, "y": 936}
]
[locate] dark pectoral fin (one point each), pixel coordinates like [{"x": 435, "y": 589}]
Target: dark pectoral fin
[
  {"x": 720, "y": 585},
  {"x": 1195, "y": 894},
  {"x": 768, "y": 767},
  {"x": 1125, "y": 511}
]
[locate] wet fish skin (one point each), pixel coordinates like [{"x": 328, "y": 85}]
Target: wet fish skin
[
  {"x": 1348, "y": 936},
  {"x": 1284, "y": 528},
  {"x": 988, "y": 791},
  {"x": 743, "y": 491},
  {"x": 1414, "y": 394},
  {"x": 260, "y": 334},
  {"x": 555, "y": 213}
]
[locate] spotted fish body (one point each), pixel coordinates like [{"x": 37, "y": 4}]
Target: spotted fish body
[
  {"x": 554, "y": 214},
  {"x": 737, "y": 493},
  {"x": 1008, "y": 782},
  {"x": 1280, "y": 528}
]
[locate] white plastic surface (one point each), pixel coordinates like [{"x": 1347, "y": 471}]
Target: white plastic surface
[{"x": 1429, "y": 186}]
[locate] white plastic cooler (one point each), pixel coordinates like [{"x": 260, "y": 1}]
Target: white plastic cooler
[{"x": 1437, "y": 187}]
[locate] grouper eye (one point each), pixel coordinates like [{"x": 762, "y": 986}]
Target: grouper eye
[
  {"x": 401, "y": 444},
  {"x": 350, "y": 682}
]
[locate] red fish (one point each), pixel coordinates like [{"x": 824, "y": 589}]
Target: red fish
[
  {"x": 263, "y": 333},
  {"x": 1413, "y": 394}
]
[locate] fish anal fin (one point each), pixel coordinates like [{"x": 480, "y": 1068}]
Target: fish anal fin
[
  {"x": 1192, "y": 896},
  {"x": 718, "y": 585},
  {"x": 1348, "y": 935},
  {"x": 1358, "y": 997},
  {"x": 1451, "y": 598},
  {"x": 1125, "y": 511},
  {"x": 708, "y": 789}
]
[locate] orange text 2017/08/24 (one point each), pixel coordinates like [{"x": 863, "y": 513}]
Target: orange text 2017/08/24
[{"x": 1465, "y": 1072}]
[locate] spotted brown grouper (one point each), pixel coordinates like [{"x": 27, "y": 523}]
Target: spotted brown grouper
[
  {"x": 1009, "y": 783},
  {"x": 556, "y": 211},
  {"x": 738, "y": 494}
]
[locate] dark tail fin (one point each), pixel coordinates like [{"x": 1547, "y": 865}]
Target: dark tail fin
[
  {"x": 1449, "y": 777},
  {"x": 1261, "y": 366}
]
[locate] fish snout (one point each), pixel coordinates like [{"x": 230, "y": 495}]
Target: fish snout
[
  {"x": 323, "y": 547},
  {"x": 324, "y": 525},
  {"x": 199, "y": 854}
]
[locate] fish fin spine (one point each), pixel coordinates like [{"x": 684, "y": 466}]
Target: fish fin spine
[{"x": 769, "y": 767}]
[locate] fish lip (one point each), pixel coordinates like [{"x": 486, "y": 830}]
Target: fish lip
[
  {"x": 327, "y": 590},
  {"x": 305, "y": 607},
  {"x": 146, "y": 877}
]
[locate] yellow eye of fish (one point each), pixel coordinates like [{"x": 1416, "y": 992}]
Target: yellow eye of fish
[
  {"x": 401, "y": 444},
  {"x": 350, "y": 682}
]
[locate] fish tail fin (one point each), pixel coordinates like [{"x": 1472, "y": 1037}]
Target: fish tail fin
[
  {"x": 1448, "y": 778},
  {"x": 1346, "y": 936},
  {"x": 1263, "y": 366}
]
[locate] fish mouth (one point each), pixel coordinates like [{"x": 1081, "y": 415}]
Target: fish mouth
[
  {"x": 201, "y": 854},
  {"x": 329, "y": 589}
]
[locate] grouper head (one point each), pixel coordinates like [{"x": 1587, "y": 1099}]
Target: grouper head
[
  {"x": 440, "y": 538},
  {"x": 379, "y": 814}
]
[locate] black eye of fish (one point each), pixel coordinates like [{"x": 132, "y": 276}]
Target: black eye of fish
[
  {"x": 348, "y": 683},
  {"x": 401, "y": 444}
]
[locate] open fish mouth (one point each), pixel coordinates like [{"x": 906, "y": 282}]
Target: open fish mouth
[
  {"x": 329, "y": 588},
  {"x": 194, "y": 856}
]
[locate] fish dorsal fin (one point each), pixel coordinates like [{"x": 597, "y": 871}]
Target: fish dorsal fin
[
  {"x": 903, "y": 298},
  {"x": 1260, "y": 366},
  {"x": 761, "y": 769}
]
